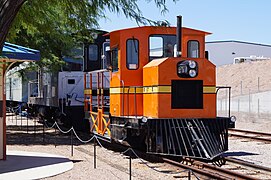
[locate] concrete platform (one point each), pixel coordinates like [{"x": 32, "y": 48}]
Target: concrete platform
[{"x": 33, "y": 165}]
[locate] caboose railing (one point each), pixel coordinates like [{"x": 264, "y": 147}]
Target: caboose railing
[{"x": 100, "y": 122}]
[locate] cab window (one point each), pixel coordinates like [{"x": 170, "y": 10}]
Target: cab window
[
  {"x": 161, "y": 46},
  {"x": 193, "y": 49},
  {"x": 115, "y": 58},
  {"x": 132, "y": 53}
]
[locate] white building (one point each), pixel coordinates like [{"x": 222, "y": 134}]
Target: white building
[{"x": 224, "y": 52}]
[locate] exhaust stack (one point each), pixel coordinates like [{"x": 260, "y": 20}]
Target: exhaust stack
[{"x": 179, "y": 36}]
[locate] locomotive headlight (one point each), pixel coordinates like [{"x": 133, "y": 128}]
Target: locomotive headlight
[
  {"x": 233, "y": 119},
  {"x": 187, "y": 69},
  {"x": 192, "y": 73},
  {"x": 192, "y": 64},
  {"x": 144, "y": 119}
]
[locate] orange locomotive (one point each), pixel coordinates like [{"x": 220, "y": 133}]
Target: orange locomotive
[{"x": 154, "y": 89}]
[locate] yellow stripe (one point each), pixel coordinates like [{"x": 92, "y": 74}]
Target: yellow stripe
[
  {"x": 126, "y": 90},
  {"x": 87, "y": 91},
  {"x": 155, "y": 89},
  {"x": 209, "y": 89}
]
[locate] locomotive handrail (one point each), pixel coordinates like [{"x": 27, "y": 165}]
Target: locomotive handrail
[{"x": 225, "y": 87}]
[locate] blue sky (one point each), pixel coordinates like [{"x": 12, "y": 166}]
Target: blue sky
[{"x": 243, "y": 20}]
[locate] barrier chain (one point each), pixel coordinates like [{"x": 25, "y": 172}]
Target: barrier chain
[{"x": 96, "y": 141}]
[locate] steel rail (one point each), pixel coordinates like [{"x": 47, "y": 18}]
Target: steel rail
[
  {"x": 254, "y": 166},
  {"x": 249, "y": 135},
  {"x": 251, "y": 132},
  {"x": 211, "y": 171}
]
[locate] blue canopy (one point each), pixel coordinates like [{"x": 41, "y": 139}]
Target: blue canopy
[{"x": 13, "y": 51}]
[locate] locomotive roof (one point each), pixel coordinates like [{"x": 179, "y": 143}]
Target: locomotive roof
[{"x": 161, "y": 28}]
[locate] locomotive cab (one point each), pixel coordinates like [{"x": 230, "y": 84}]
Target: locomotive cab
[{"x": 160, "y": 101}]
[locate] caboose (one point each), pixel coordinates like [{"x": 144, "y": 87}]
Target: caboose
[{"x": 154, "y": 88}]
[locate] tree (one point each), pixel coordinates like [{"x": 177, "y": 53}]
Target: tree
[
  {"x": 53, "y": 26},
  {"x": 8, "y": 11},
  {"x": 80, "y": 14}
]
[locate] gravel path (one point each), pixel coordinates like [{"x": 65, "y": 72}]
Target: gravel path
[
  {"x": 110, "y": 165},
  {"x": 114, "y": 165}
]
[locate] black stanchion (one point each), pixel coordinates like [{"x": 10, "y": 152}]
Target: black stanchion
[
  {"x": 34, "y": 127},
  {"x": 43, "y": 130},
  {"x": 21, "y": 121},
  {"x": 189, "y": 175},
  {"x": 130, "y": 164},
  {"x": 27, "y": 123},
  {"x": 55, "y": 136},
  {"x": 94, "y": 152},
  {"x": 71, "y": 143}
]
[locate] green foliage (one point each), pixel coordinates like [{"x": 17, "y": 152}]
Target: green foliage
[{"x": 54, "y": 26}]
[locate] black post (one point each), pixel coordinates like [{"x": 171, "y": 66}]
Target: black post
[
  {"x": 71, "y": 143},
  {"x": 94, "y": 152},
  {"x": 27, "y": 122},
  {"x": 179, "y": 36},
  {"x": 189, "y": 175},
  {"x": 21, "y": 120},
  {"x": 130, "y": 164},
  {"x": 43, "y": 130},
  {"x": 35, "y": 127},
  {"x": 55, "y": 136}
]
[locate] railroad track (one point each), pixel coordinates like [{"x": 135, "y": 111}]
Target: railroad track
[
  {"x": 252, "y": 169},
  {"x": 204, "y": 170},
  {"x": 259, "y": 136},
  {"x": 210, "y": 171}
]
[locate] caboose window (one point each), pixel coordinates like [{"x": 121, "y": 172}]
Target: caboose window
[
  {"x": 132, "y": 53},
  {"x": 161, "y": 46},
  {"x": 115, "y": 58},
  {"x": 193, "y": 49},
  {"x": 93, "y": 52}
]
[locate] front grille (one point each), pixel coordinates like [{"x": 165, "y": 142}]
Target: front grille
[
  {"x": 195, "y": 138},
  {"x": 187, "y": 94}
]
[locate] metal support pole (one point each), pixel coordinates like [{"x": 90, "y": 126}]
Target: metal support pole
[
  {"x": 27, "y": 122},
  {"x": 130, "y": 164},
  {"x": 189, "y": 175},
  {"x": 55, "y": 136},
  {"x": 21, "y": 120},
  {"x": 94, "y": 152},
  {"x": 43, "y": 130},
  {"x": 34, "y": 127},
  {"x": 71, "y": 143}
]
